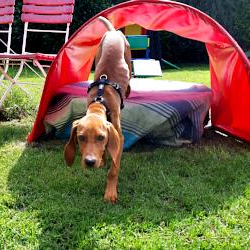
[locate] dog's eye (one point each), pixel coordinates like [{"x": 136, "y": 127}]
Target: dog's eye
[
  {"x": 100, "y": 138},
  {"x": 81, "y": 137}
]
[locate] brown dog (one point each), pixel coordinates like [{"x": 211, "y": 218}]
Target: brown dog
[{"x": 95, "y": 135}]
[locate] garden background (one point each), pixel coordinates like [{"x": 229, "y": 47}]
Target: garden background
[{"x": 232, "y": 15}]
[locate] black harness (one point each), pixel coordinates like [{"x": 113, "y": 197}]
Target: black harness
[{"x": 101, "y": 85}]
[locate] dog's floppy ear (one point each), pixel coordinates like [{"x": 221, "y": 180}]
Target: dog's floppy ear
[
  {"x": 114, "y": 144},
  {"x": 70, "y": 147}
]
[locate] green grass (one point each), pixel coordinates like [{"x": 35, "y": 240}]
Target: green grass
[
  {"x": 199, "y": 74},
  {"x": 21, "y": 101},
  {"x": 192, "y": 197}
]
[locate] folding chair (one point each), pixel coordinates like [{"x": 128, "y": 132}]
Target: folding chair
[
  {"x": 40, "y": 12},
  {"x": 45, "y": 12},
  {"x": 6, "y": 19}
]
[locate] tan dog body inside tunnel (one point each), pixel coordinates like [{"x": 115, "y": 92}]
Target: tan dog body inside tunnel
[{"x": 96, "y": 136}]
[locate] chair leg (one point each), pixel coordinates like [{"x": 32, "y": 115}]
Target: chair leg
[
  {"x": 6, "y": 64},
  {"x": 19, "y": 72},
  {"x": 24, "y": 63},
  {"x": 5, "y": 93},
  {"x": 8, "y": 89},
  {"x": 37, "y": 63},
  {"x": 12, "y": 82}
]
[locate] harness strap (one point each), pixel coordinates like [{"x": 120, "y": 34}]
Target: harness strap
[
  {"x": 103, "y": 102},
  {"x": 101, "y": 85}
]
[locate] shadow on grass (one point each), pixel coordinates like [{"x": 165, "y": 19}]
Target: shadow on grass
[
  {"x": 12, "y": 131},
  {"x": 159, "y": 186}
]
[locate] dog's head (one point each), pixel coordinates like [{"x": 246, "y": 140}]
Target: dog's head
[{"x": 94, "y": 135}]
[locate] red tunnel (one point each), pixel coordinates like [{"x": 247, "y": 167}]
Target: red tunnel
[{"x": 229, "y": 67}]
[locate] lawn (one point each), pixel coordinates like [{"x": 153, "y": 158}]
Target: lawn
[{"x": 192, "y": 197}]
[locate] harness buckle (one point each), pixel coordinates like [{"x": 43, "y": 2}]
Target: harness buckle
[
  {"x": 116, "y": 86},
  {"x": 99, "y": 99},
  {"x": 103, "y": 77}
]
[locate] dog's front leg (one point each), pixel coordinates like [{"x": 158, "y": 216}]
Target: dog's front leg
[{"x": 111, "y": 189}]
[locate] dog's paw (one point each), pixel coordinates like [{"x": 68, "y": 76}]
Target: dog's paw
[{"x": 111, "y": 196}]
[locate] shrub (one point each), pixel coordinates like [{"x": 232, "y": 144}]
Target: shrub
[
  {"x": 17, "y": 105},
  {"x": 234, "y": 16}
]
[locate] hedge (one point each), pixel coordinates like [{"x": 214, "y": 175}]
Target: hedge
[{"x": 233, "y": 15}]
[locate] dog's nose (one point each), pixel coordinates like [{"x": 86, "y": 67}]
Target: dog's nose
[{"x": 90, "y": 162}]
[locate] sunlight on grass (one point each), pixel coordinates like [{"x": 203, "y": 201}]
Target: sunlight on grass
[
  {"x": 200, "y": 74},
  {"x": 196, "y": 74},
  {"x": 192, "y": 197},
  {"x": 18, "y": 103},
  {"x": 45, "y": 204}
]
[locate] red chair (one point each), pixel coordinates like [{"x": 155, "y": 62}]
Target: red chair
[
  {"x": 40, "y": 12},
  {"x": 6, "y": 20}
]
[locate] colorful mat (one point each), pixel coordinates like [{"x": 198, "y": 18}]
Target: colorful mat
[{"x": 161, "y": 112}]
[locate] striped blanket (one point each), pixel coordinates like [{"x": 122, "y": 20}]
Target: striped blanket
[{"x": 161, "y": 112}]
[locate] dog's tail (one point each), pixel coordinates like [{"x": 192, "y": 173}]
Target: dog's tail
[{"x": 106, "y": 23}]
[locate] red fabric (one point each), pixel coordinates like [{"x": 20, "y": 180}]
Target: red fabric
[
  {"x": 43, "y": 57},
  {"x": 7, "y": 11},
  {"x": 53, "y": 10},
  {"x": 33, "y": 18},
  {"x": 7, "y": 3},
  {"x": 230, "y": 68},
  {"x": 48, "y": 2},
  {"x": 6, "y": 19},
  {"x": 31, "y": 56}
]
